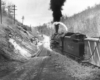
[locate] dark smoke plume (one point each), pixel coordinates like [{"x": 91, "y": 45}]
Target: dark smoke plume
[{"x": 56, "y": 7}]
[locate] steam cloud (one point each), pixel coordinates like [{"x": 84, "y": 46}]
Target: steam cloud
[{"x": 56, "y": 7}]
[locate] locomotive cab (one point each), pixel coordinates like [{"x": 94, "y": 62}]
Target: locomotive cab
[{"x": 59, "y": 32}]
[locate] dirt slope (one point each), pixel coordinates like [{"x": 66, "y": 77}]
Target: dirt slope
[{"x": 51, "y": 66}]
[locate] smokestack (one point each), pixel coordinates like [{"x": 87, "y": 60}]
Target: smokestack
[{"x": 56, "y": 7}]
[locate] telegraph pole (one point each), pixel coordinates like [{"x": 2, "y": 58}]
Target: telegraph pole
[
  {"x": 1, "y": 11},
  {"x": 14, "y": 8},
  {"x": 1, "y": 4},
  {"x": 22, "y": 20},
  {"x": 9, "y": 10}
]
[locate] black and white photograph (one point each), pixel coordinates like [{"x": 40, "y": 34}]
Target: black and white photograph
[{"x": 49, "y": 39}]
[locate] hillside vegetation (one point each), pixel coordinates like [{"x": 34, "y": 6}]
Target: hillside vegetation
[
  {"x": 86, "y": 22},
  {"x": 20, "y": 35}
]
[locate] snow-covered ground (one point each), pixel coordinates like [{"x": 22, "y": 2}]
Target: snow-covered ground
[
  {"x": 46, "y": 42},
  {"x": 25, "y": 52},
  {"x": 19, "y": 49}
]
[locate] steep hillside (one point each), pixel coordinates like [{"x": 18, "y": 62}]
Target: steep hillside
[
  {"x": 87, "y": 22},
  {"x": 15, "y": 40}
]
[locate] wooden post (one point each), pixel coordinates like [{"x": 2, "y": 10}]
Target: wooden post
[
  {"x": 22, "y": 20},
  {"x": 1, "y": 11},
  {"x": 14, "y": 13},
  {"x": 9, "y": 8}
]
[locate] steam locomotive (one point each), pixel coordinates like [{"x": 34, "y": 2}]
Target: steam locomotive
[{"x": 77, "y": 45}]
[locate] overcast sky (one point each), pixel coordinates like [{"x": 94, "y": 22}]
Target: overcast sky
[{"x": 37, "y": 11}]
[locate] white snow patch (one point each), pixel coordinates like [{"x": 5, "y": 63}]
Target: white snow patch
[
  {"x": 46, "y": 42},
  {"x": 18, "y": 49}
]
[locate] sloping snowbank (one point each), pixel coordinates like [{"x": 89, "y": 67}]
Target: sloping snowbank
[
  {"x": 19, "y": 49},
  {"x": 26, "y": 51}
]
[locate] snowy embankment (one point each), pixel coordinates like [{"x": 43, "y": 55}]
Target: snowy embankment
[
  {"x": 25, "y": 52},
  {"x": 19, "y": 49}
]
